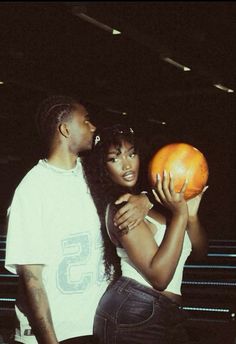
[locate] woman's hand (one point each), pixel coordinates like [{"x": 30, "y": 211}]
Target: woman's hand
[
  {"x": 168, "y": 197},
  {"x": 194, "y": 203}
]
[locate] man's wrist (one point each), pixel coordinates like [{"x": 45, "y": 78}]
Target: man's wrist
[{"x": 150, "y": 205}]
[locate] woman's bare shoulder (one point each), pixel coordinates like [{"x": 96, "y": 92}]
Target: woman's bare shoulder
[{"x": 112, "y": 230}]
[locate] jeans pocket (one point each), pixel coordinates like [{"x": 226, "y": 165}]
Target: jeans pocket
[
  {"x": 136, "y": 311},
  {"x": 100, "y": 329}
]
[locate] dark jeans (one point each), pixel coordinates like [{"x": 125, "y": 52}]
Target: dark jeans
[
  {"x": 129, "y": 313},
  {"x": 78, "y": 340}
]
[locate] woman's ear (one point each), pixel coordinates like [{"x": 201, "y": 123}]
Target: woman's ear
[{"x": 63, "y": 129}]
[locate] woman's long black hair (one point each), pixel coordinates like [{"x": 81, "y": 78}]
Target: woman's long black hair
[{"x": 103, "y": 189}]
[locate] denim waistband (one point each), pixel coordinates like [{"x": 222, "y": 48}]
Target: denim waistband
[{"x": 126, "y": 283}]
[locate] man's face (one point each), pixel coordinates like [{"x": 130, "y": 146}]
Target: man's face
[{"x": 81, "y": 131}]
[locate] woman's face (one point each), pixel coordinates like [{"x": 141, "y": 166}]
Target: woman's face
[{"x": 123, "y": 164}]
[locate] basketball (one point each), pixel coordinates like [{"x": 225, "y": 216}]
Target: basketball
[{"x": 183, "y": 161}]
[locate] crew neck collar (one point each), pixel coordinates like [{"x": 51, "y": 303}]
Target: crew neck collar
[{"x": 74, "y": 170}]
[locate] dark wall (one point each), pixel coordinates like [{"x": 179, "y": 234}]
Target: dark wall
[{"x": 208, "y": 123}]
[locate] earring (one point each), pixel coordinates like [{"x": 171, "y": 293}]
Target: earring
[{"x": 97, "y": 139}]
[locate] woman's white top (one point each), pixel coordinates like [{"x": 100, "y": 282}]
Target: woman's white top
[{"x": 129, "y": 270}]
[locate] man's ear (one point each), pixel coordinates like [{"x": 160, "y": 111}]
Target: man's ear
[{"x": 64, "y": 130}]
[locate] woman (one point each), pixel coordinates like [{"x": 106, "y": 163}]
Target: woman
[{"x": 145, "y": 265}]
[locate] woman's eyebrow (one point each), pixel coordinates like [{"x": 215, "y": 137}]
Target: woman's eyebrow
[
  {"x": 132, "y": 147},
  {"x": 115, "y": 151},
  {"x": 118, "y": 150}
]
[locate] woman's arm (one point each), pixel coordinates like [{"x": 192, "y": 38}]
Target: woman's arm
[
  {"x": 40, "y": 315},
  {"x": 198, "y": 237},
  {"x": 195, "y": 229},
  {"x": 158, "y": 264}
]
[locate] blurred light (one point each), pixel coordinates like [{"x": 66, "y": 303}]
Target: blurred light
[
  {"x": 223, "y": 88},
  {"x": 1, "y": 82},
  {"x": 116, "y": 32},
  {"x": 157, "y": 121},
  {"x": 176, "y": 64},
  {"x": 117, "y": 111},
  {"x": 203, "y": 309},
  {"x": 97, "y": 23}
]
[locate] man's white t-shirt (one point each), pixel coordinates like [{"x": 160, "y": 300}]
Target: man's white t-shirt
[{"x": 53, "y": 221}]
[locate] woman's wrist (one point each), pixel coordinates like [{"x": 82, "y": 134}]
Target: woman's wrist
[
  {"x": 180, "y": 215},
  {"x": 193, "y": 218}
]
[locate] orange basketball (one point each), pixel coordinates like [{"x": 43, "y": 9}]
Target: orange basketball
[{"x": 183, "y": 161}]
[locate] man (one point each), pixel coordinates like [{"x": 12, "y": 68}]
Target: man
[{"x": 53, "y": 239}]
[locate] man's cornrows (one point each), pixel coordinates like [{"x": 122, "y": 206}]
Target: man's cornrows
[{"x": 52, "y": 112}]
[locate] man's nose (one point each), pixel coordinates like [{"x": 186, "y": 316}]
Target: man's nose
[{"x": 92, "y": 127}]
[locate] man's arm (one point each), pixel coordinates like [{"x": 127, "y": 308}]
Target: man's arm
[
  {"x": 133, "y": 212},
  {"x": 40, "y": 315}
]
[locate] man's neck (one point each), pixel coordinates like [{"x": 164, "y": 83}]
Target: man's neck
[{"x": 65, "y": 161}]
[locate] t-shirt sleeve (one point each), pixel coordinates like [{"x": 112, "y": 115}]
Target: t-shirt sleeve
[{"x": 26, "y": 235}]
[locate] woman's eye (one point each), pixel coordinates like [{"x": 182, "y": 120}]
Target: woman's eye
[{"x": 112, "y": 160}]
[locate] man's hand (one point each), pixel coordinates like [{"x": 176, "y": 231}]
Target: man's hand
[{"x": 133, "y": 212}]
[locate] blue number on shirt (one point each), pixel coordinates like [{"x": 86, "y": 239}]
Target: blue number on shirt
[
  {"x": 76, "y": 252},
  {"x": 100, "y": 267}
]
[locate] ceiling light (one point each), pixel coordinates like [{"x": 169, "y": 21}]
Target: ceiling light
[
  {"x": 176, "y": 64},
  {"x": 156, "y": 121},
  {"x": 223, "y": 88},
  {"x": 97, "y": 23},
  {"x": 117, "y": 111},
  {"x": 116, "y": 32}
]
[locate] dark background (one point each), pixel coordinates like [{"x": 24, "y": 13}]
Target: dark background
[{"x": 46, "y": 48}]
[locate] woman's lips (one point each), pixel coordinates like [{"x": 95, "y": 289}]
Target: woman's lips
[{"x": 129, "y": 176}]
